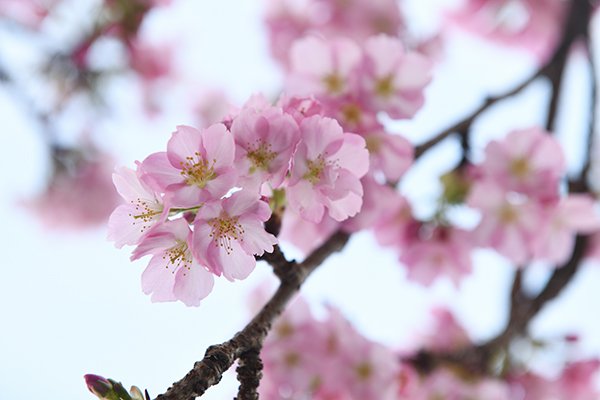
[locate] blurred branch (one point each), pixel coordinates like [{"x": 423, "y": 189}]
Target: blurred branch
[
  {"x": 249, "y": 340},
  {"x": 479, "y": 359},
  {"x": 576, "y": 27}
]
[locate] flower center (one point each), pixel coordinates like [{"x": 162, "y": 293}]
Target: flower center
[
  {"x": 226, "y": 229},
  {"x": 178, "y": 256},
  {"x": 373, "y": 143},
  {"x": 351, "y": 113},
  {"x": 315, "y": 169},
  {"x": 261, "y": 157},
  {"x": 519, "y": 168},
  {"x": 507, "y": 214},
  {"x": 334, "y": 83},
  {"x": 364, "y": 371},
  {"x": 197, "y": 171},
  {"x": 384, "y": 87},
  {"x": 145, "y": 213}
]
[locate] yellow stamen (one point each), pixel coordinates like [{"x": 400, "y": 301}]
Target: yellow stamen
[{"x": 197, "y": 171}]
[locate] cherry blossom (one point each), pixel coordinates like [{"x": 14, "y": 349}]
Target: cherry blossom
[
  {"x": 173, "y": 273},
  {"x": 394, "y": 79},
  {"x": 528, "y": 161},
  {"x": 228, "y": 233},
  {"x": 308, "y": 358},
  {"x": 533, "y": 25},
  {"x": 143, "y": 208},
  {"x": 265, "y": 142},
  {"x": 332, "y": 71},
  {"x": 573, "y": 215},
  {"x": 79, "y": 194},
  {"x": 508, "y": 223},
  {"x": 326, "y": 169},
  {"x": 390, "y": 154},
  {"x": 196, "y": 167},
  {"x": 446, "y": 253}
]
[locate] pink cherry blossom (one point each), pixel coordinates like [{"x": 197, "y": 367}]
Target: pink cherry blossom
[
  {"x": 390, "y": 154},
  {"x": 394, "y": 79},
  {"x": 332, "y": 68},
  {"x": 445, "y": 384},
  {"x": 360, "y": 19},
  {"x": 533, "y": 25},
  {"x": 173, "y": 273},
  {"x": 143, "y": 209},
  {"x": 509, "y": 221},
  {"x": 265, "y": 142},
  {"x": 30, "y": 13},
  {"x": 528, "y": 161},
  {"x": 228, "y": 233},
  {"x": 289, "y": 20},
  {"x": 300, "y": 107},
  {"x": 396, "y": 225},
  {"x": 575, "y": 382},
  {"x": 326, "y": 171},
  {"x": 308, "y": 358},
  {"x": 79, "y": 194},
  {"x": 446, "y": 253},
  {"x": 306, "y": 235},
  {"x": 378, "y": 199},
  {"x": 149, "y": 60},
  {"x": 196, "y": 167},
  {"x": 573, "y": 215},
  {"x": 447, "y": 334}
]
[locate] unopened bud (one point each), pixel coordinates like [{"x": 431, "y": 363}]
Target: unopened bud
[{"x": 98, "y": 385}]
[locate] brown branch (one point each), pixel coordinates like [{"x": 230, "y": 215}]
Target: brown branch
[
  {"x": 249, "y": 373},
  {"x": 219, "y": 358}
]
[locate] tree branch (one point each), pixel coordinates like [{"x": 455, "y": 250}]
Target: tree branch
[
  {"x": 577, "y": 23},
  {"x": 220, "y": 357}
]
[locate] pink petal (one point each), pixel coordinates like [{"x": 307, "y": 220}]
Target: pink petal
[
  {"x": 219, "y": 145},
  {"x": 256, "y": 239},
  {"x": 185, "y": 142},
  {"x": 237, "y": 264},
  {"x": 192, "y": 285},
  {"x": 158, "y": 280},
  {"x": 158, "y": 173}
]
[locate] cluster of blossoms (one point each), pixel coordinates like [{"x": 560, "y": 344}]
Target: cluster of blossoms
[
  {"x": 290, "y": 20},
  {"x": 516, "y": 189},
  {"x": 305, "y": 357},
  {"x": 308, "y": 358},
  {"x": 533, "y": 25},
  {"x": 354, "y": 82},
  {"x": 200, "y": 195},
  {"x": 199, "y": 207}
]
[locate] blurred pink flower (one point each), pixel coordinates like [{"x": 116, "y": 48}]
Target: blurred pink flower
[
  {"x": 78, "y": 196},
  {"x": 533, "y": 25},
  {"x": 394, "y": 79}
]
